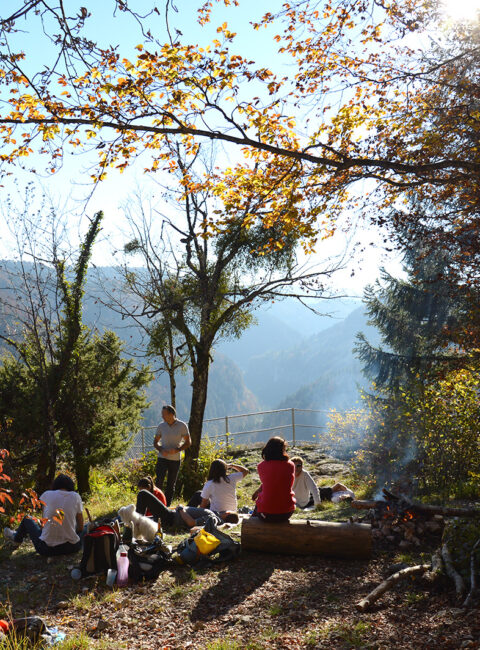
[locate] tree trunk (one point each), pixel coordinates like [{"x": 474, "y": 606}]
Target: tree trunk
[
  {"x": 47, "y": 459},
  {"x": 420, "y": 508},
  {"x": 199, "y": 400},
  {"x": 46, "y": 466},
  {"x": 171, "y": 370},
  {"x": 173, "y": 388},
  {"x": 82, "y": 472}
]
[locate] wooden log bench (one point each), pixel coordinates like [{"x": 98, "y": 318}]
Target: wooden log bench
[{"x": 308, "y": 537}]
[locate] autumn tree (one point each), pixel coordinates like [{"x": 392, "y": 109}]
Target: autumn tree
[
  {"x": 360, "y": 102},
  {"x": 204, "y": 287}
]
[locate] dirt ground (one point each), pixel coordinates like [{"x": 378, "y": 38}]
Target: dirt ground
[{"x": 256, "y": 602}]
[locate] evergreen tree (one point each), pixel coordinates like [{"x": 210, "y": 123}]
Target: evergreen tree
[
  {"x": 98, "y": 409},
  {"x": 418, "y": 318},
  {"x": 414, "y": 316},
  {"x": 47, "y": 303},
  {"x": 100, "y": 405}
]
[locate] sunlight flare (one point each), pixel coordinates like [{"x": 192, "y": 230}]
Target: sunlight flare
[{"x": 462, "y": 9}]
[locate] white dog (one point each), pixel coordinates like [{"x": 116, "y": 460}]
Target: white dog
[{"x": 142, "y": 527}]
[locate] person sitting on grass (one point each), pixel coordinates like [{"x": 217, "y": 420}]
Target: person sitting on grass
[
  {"x": 275, "y": 499},
  {"x": 62, "y": 531},
  {"x": 306, "y": 491},
  {"x": 146, "y": 483},
  {"x": 219, "y": 492},
  {"x": 181, "y": 517}
]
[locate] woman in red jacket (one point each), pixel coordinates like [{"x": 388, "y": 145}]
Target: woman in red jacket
[
  {"x": 146, "y": 483},
  {"x": 275, "y": 499}
]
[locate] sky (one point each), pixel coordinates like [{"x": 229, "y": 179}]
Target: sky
[{"x": 69, "y": 188}]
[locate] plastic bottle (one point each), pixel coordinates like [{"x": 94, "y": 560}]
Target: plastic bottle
[
  {"x": 122, "y": 569},
  {"x": 123, "y": 548}
]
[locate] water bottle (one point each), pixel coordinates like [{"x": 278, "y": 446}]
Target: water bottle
[
  {"x": 122, "y": 569},
  {"x": 111, "y": 577},
  {"x": 123, "y": 548}
]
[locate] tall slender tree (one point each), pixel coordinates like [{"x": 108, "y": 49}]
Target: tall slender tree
[
  {"x": 49, "y": 326},
  {"x": 205, "y": 287}
]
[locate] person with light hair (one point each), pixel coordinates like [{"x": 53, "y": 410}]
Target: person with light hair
[{"x": 306, "y": 491}]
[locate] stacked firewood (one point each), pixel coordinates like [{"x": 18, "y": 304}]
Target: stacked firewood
[
  {"x": 398, "y": 521},
  {"x": 405, "y": 533}
]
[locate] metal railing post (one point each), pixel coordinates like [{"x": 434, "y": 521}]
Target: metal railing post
[
  {"x": 293, "y": 426},
  {"x": 226, "y": 433},
  {"x": 143, "y": 441}
]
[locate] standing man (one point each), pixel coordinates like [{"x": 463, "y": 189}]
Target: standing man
[{"x": 171, "y": 438}]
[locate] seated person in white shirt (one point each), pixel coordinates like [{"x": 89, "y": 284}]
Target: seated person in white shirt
[
  {"x": 219, "y": 492},
  {"x": 306, "y": 491},
  {"x": 63, "y": 528}
]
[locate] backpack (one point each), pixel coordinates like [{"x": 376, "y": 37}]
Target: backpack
[
  {"x": 100, "y": 546},
  {"x": 147, "y": 561},
  {"x": 227, "y": 549}
]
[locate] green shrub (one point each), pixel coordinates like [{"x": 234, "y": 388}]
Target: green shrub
[
  {"x": 129, "y": 471},
  {"x": 427, "y": 441},
  {"x": 193, "y": 474}
]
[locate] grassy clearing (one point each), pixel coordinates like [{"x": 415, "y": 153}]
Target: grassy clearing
[
  {"x": 178, "y": 589},
  {"x": 117, "y": 487}
]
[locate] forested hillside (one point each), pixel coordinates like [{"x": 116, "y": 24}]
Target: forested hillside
[
  {"x": 290, "y": 356},
  {"x": 317, "y": 372}
]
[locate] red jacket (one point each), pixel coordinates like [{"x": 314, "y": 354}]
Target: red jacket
[
  {"x": 276, "y": 496},
  {"x": 160, "y": 496}
]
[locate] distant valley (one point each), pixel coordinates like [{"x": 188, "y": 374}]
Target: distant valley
[{"x": 291, "y": 357}]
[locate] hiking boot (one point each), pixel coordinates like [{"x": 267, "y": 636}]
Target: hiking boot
[{"x": 9, "y": 534}]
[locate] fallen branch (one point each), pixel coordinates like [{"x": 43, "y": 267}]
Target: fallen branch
[
  {"x": 366, "y": 505},
  {"x": 446, "y": 511},
  {"x": 365, "y": 603},
  {"x": 437, "y": 567},
  {"x": 421, "y": 509},
  {"x": 452, "y": 572},
  {"x": 473, "y": 579}
]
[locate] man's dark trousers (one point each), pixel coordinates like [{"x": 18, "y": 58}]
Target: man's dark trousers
[{"x": 170, "y": 468}]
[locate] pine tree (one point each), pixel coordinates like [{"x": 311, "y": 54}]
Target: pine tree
[{"x": 414, "y": 317}]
